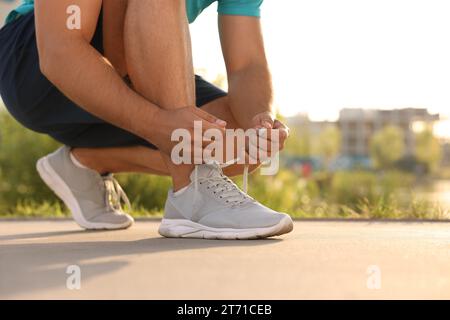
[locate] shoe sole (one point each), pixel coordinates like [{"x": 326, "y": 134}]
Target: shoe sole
[
  {"x": 60, "y": 188},
  {"x": 181, "y": 228}
]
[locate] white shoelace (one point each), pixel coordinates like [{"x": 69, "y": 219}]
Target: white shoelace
[
  {"x": 114, "y": 193},
  {"x": 223, "y": 187}
]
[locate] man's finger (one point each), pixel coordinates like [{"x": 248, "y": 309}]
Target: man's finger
[
  {"x": 280, "y": 125},
  {"x": 210, "y": 125},
  {"x": 283, "y": 133},
  {"x": 209, "y": 117},
  {"x": 264, "y": 119},
  {"x": 272, "y": 134}
]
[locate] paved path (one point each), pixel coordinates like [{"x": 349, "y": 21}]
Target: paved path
[{"x": 318, "y": 260}]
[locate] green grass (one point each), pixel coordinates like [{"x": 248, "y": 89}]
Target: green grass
[
  {"x": 29, "y": 209},
  {"x": 418, "y": 210}
]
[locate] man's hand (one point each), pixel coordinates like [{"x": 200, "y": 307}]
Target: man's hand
[
  {"x": 166, "y": 122},
  {"x": 265, "y": 120}
]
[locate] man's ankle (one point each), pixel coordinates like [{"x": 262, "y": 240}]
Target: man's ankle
[
  {"x": 181, "y": 174},
  {"x": 81, "y": 158},
  {"x": 180, "y": 185}
]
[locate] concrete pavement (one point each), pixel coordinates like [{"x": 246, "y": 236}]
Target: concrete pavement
[{"x": 319, "y": 260}]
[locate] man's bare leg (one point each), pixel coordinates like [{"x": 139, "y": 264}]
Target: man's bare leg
[
  {"x": 159, "y": 61},
  {"x": 138, "y": 159}
]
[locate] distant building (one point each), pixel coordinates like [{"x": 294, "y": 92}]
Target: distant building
[
  {"x": 358, "y": 126},
  {"x": 314, "y": 128}
]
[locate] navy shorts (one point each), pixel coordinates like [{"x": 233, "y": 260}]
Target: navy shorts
[{"x": 38, "y": 105}]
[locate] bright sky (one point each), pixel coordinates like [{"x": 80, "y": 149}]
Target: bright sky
[{"x": 328, "y": 54}]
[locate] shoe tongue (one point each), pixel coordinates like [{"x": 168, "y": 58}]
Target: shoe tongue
[{"x": 206, "y": 171}]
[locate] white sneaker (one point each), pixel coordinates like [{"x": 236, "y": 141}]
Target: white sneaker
[
  {"x": 94, "y": 200},
  {"x": 213, "y": 207}
]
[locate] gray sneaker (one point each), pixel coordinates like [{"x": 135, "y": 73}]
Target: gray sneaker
[
  {"x": 213, "y": 207},
  {"x": 94, "y": 200}
]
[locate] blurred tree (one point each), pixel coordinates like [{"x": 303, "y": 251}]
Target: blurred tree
[
  {"x": 387, "y": 146},
  {"x": 428, "y": 150},
  {"x": 299, "y": 142},
  {"x": 329, "y": 144},
  {"x": 20, "y": 148}
]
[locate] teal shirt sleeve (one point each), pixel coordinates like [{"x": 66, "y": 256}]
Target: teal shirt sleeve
[
  {"x": 240, "y": 7},
  {"x": 24, "y": 8}
]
